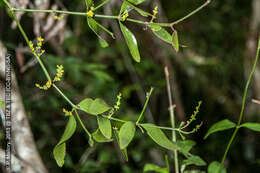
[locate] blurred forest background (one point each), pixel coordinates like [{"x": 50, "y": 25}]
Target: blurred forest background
[{"x": 221, "y": 44}]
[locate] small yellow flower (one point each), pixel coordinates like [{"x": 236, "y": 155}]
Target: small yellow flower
[
  {"x": 59, "y": 73},
  {"x": 40, "y": 39},
  {"x": 67, "y": 113},
  {"x": 90, "y": 13},
  {"x": 155, "y": 11},
  {"x": 117, "y": 105},
  {"x": 58, "y": 17},
  {"x": 44, "y": 87},
  {"x": 124, "y": 16}
]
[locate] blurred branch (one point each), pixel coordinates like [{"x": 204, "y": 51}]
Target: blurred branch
[{"x": 256, "y": 101}]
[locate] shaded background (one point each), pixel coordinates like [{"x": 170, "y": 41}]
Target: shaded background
[{"x": 221, "y": 42}]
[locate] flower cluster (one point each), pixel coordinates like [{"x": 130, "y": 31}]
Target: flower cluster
[
  {"x": 59, "y": 73},
  {"x": 124, "y": 15},
  {"x": 90, "y": 13},
  {"x": 155, "y": 11},
  {"x": 37, "y": 49},
  {"x": 116, "y": 106},
  {"x": 58, "y": 17},
  {"x": 67, "y": 113},
  {"x": 44, "y": 87}
]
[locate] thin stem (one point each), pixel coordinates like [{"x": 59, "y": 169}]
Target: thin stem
[
  {"x": 49, "y": 11},
  {"x": 64, "y": 96},
  {"x": 109, "y": 17},
  {"x": 171, "y": 110},
  {"x": 82, "y": 124},
  {"x": 190, "y": 14},
  {"x": 159, "y": 127},
  {"x": 243, "y": 105},
  {"x": 145, "y": 105}
]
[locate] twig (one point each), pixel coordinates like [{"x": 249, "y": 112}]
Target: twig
[{"x": 171, "y": 110}]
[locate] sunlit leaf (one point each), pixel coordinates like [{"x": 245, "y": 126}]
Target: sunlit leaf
[
  {"x": 99, "y": 137},
  {"x": 131, "y": 42},
  {"x": 59, "y": 150},
  {"x": 159, "y": 137},
  {"x": 94, "y": 107},
  {"x": 214, "y": 168},
  {"x": 126, "y": 134},
  {"x": 152, "y": 167},
  {"x": 175, "y": 41},
  {"x": 220, "y": 126},
  {"x": 252, "y": 126},
  {"x": 161, "y": 33},
  {"x": 105, "y": 126}
]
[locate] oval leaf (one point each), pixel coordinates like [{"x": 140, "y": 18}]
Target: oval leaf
[
  {"x": 59, "y": 150},
  {"x": 69, "y": 130},
  {"x": 186, "y": 145},
  {"x": 152, "y": 167},
  {"x": 99, "y": 137},
  {"x": 94, "y": 107},
  {"x": 220, "y": 126},
  {"x": 252, "y": 126},
  {"x": 136, "y": 2},
  {"x": 214, "y": 167},
  {"x": 131, "y": 42},
  {"x": 126, "y": 134},
  {"x": 161, "y": 33},
  {"x": 175, "y": 41},
  {"x": 95, "y": 27},
  {"x": 159, "y": 137},
  {"x": 59, "y": 153},
  {"x": 124, "y": 151},
  {"x": 194, "y": 160},
  {"x": 105, "y": 126}
]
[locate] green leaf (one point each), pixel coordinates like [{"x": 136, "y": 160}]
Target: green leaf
[
  {"x": 186, "y": 145},
  {"x": 161, "y": 33},
  {"x": 194, "y": 171},
  {"x": 94, "y": 107},
  {"x": 89, "y": 3},
  {"x": 105, "y": 126},
  {"x": 99, "y": 137},
  {"x": 59, "y": 153},
  {"x": 252, "y": 126},
  {"x": 136, "y": 2},
  {"x": 69, "y": 130},
  {"x": 159, "y": 137},
  {"x": 140, "y": 11},
  {"x": 59, "y": 150},
  {"x": 175, "y": 41},
  {"x": 220, "y": 126},
  {"x": 131, "y": 42},
  {"x": 126, "y": 134},
  {"x": 194, "y": 160},
  {"x": 214, "y": 167},
  {"x": 152, "y": 167},
  {"x": 96, "y": 27},
  {"x": 124, "y": 151}
]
